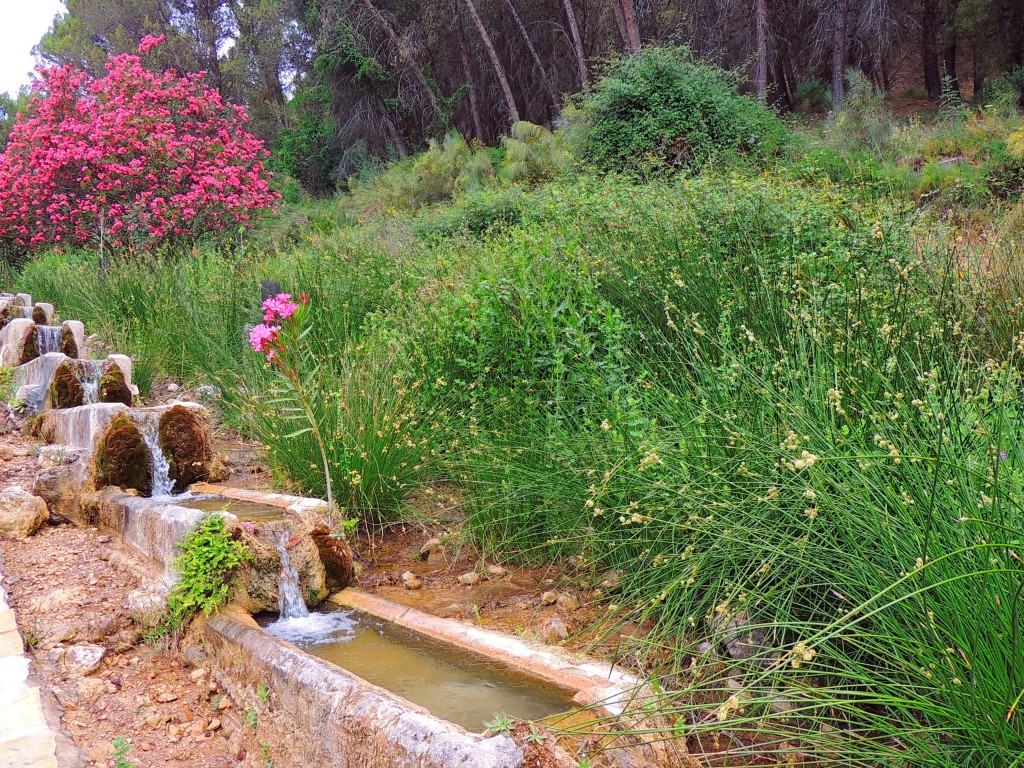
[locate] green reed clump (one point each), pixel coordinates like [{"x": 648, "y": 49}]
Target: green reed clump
[{"x": 811, "y": 456}]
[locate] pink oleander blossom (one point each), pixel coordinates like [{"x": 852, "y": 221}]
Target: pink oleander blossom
[
  {"x": 148, "y": 43},
  {"x": 279, "y": 307},
  {"x": 143, "y": 156},
  {"x": 263, "y": 337}
]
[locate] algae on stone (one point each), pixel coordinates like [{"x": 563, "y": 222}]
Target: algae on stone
[
  {"x": 68, "y": 345},
  {"x": 113, "y": 388},
  {"x": 39, "y": 316},
  {"x": 183, "y": 439},
  {"x": 30, "y": 348},
  {"x": 66, "y": 391},
  {"x": 123, "y": 458}
]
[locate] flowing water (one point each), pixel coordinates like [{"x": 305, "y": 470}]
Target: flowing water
[
  {"x": 248, "y": 511},
  {"x": 163, "y": 486},
  {"x": 451, "y": 683},
  {"x": 48, "y": 337},
  {"x": 290, "y": 603},
  {"x": 89, "y": 377}
]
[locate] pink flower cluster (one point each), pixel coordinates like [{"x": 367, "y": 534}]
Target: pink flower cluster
[
  {"x": 264, "y": 338},
  {"x": 144, "y": 156},
  {"x": 148, "y": 43},
  {"x": 279, "y": 307}
]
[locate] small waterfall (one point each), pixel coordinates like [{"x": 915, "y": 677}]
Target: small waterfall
[
  {"x": 290, "y": 603},
  {"x": 48, "y": 337},
  {"x": 162, "y": 483},
  {"x": 89, "y": 377}
]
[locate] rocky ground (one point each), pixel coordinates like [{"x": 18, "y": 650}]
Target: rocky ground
[{"x": 99, "y": 677}]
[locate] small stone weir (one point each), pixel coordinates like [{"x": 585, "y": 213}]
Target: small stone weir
[
  {"x": 89, "y": 377},
  {"x": 163, "y": 485},
  {"x": 291, "y": 603}
]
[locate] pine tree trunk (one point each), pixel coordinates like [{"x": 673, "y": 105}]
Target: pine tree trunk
[
  {"x": 467, "y": 72},
  {"x": 842, "y": 11},
  {"x": 632, "y": 29},
  {"x": 929, "y": 48},
  {"x": 545, "y": 81},
  {"x": 577, "y": 43},
  {"x": 761, "y": 47},
  {"x": 499, "y": 70},
  {"x": 620, "y": 22},
  {"x": 407, "y": 59}
]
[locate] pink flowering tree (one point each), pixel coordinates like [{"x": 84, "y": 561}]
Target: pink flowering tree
[{"x": 133, "y": 159}]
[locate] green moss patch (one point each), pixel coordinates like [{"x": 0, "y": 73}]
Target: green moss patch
[
  {"x": 182, "y": 438},
  {"x": 113, "y": 388},
  {"x": 66, "y": 390},
  {"x": 122, "y": 458},
  {"x": 68, "y": 345},
  {"x": 30, "y": 349}
]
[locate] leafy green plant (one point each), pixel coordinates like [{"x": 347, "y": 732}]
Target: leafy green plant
[
  {"x": 663, "y": 109},
  {"x": 121, "y": 748},
  {"x": 501, "y": 724},
  {"x": 864, "y": 119},
  {"x": 206, "y": 566}
]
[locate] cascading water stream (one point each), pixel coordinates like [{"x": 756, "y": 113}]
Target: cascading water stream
[
  {"x": 89, "y": 378},
  {"x": 163, "y": 486},
  {"x": 290, "y": 604},
  {"x": 48, "y": 338}
]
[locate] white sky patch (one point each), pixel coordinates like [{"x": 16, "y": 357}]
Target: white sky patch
[{"x": 22, "y": 23}]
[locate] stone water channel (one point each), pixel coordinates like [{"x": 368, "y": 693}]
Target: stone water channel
[{"x": 364, "y": 681}]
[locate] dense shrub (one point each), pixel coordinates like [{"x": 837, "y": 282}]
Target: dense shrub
[{"x": 662, "y": 109}]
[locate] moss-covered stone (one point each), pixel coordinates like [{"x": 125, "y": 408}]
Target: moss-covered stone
[
  {"x": 123, "y": 459},
  {"x": 68, "y": 345},
  {"x": 183, "y": 439},
  {"x": 66, "y": 390},
  {"x": 113, "y": 388},
  {"x": 39, "y": 316},
  {"x": 30, "y": 348},
  {"x": 6, "y": 315},
  {"x": 336, "y": 555}
]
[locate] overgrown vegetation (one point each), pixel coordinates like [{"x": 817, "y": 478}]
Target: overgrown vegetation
[{"x": 779, "y": 398}]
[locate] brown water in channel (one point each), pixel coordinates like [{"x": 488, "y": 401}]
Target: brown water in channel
[
  {"x": 249, "y": 511},
  {"x": 451, "y": 683}
]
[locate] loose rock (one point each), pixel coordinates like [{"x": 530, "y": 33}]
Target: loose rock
[
  {"x": 433, "y": 546},
  {"x": 496, "y": 572},
  {"x": 469, "y": 579},
  {"x": 567, "y": 602},
  {"x": 81, "y": 660},
  {"x": 411, "y": 581},
  {"x": 554, "y": 631},
  {"x": 21, "y": 513},
  {"x": 548, "y": 598}
]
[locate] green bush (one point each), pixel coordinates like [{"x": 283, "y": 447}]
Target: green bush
[
  {"x": 206, "y": 566},
  {"x": 437, "y": 174},
  {"x": 662, "y": 109},
  {"x": 533, "y": 153},
  {"x": 864, "y": 120}
]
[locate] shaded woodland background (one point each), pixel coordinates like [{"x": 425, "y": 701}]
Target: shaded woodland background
[{"x": 337, "y": 86}]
